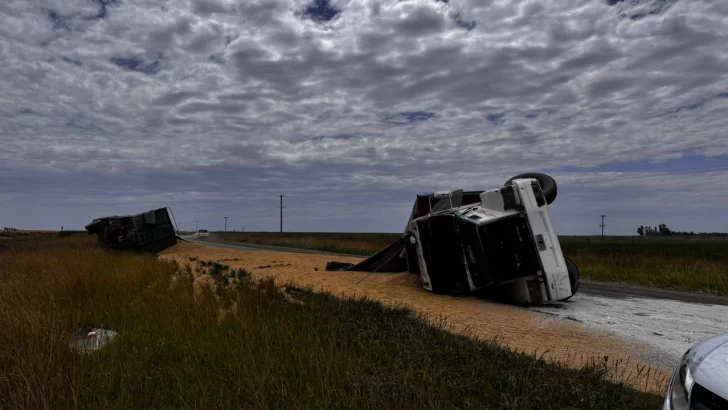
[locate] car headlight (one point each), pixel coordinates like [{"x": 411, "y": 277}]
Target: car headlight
[{"x": 681, "y": 385}]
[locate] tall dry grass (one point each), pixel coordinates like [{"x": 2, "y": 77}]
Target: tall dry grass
[{"x": 241, "y": 344}]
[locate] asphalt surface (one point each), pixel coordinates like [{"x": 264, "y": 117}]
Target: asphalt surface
[
  {"x": 620, "y": 291},
  {"x": 666, "y": 322},
  {"x": 667, "y": 327}
]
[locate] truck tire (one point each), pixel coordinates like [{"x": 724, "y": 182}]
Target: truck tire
[
  {"x": 573, "y": 276},
  {"x": 548, "y": 184}
]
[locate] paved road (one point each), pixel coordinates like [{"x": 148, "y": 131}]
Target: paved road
[
  {"x": 668, "y": 326},
  {"x": 667, "y": 321},
  {"x": 620, "y": 291}
]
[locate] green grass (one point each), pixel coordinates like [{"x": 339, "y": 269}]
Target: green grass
[
  {"x": 351, "y": 243},
  {"x": 241, "y": 344},
  {"x": 695, "y": 265}
]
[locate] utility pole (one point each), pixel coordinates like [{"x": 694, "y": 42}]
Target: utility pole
[
  {"x": 281, "y": 213},
  {"x": 196, "y": 227},
  {"x": 226, "y": 218},
  {"x": 602, "y": 225}
]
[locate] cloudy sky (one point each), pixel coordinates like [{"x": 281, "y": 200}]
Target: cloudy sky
[{"x": 351, "y": 107}]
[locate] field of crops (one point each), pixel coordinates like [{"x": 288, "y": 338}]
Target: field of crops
[
  {"x": 237, "y": 343},
  {"x": 697, "y": 265},
  {"x": 351, "y": 243}
]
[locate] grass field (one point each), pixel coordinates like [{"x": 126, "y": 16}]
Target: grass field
[
  {"x": 242, "y": 344},
  {"x": 363, "y": 244},
  {"x": 696, "y": 265}
]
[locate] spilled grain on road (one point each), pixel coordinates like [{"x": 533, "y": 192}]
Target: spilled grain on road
[{"x": 521, "y": 330}]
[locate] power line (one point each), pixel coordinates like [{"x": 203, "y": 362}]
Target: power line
[{"x": 602, "y": 225}]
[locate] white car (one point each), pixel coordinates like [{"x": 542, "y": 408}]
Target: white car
[
  {"x": 202, "y": 232},
  {"x": 700, "y": 381}
]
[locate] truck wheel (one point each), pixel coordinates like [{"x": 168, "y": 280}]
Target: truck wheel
[
  {"x": 548, "y": 184},
  {"x": 573, "y": 276}
]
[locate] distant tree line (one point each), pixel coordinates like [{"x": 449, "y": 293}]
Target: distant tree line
[{"x": 663, "y": 230}]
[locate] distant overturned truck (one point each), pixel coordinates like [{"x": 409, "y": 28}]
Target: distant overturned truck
[
  {"x": 150, "y": 231},
  {"x": 467, "y": 241}
]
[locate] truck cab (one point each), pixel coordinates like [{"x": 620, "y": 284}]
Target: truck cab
[
  {"x": 504, "y": 238},
  {"x": 460, "y": 242}
]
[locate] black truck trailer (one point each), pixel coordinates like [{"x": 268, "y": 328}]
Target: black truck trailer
[{"x": 150, "y": 231}]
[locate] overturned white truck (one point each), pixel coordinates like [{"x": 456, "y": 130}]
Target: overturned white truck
[{"x": 463, "y": 242}]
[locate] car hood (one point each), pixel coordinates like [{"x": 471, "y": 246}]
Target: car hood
[{"x": 711, "y": 365}]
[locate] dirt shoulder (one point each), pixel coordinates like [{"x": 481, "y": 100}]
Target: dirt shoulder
[{"x": 519, "y": 329}]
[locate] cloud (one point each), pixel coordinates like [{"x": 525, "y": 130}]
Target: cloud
[
  {"x": 418, "y": 21},
  {"x": 136, "y": 64},
  {"x": 496, "y": 119},
  {"x": 408, "y": 117},
  {"x": 358, "y": 95},
  {"x": 640, "y": 9}
]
